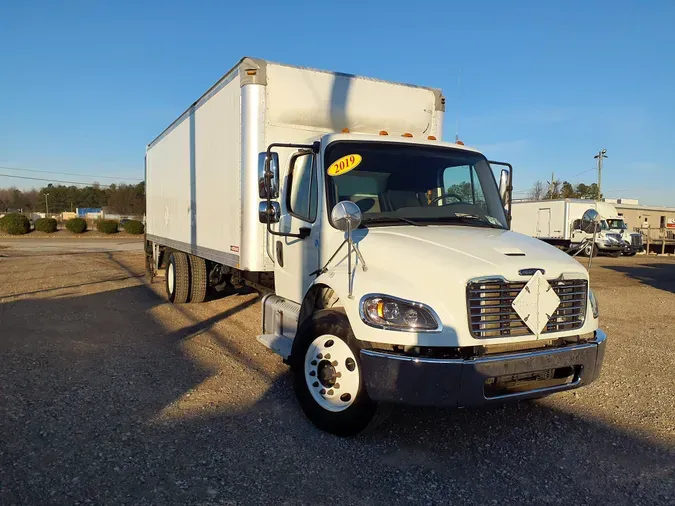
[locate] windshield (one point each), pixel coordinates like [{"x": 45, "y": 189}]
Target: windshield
[
  {"x": 616, "y": 224},
  {"x": 412, "y": 184}
]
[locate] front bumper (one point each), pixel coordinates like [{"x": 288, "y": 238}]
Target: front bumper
[
  {"x": 458, "y": 382},
  {"x": 614, "y": 246}
]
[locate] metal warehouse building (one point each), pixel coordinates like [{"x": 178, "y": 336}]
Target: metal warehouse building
[{"x": 641, "y": 216}]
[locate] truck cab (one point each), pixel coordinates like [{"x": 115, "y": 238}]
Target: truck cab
[
  {"x": 612, "y": 235},
  {"x": 397, "y": 280}
]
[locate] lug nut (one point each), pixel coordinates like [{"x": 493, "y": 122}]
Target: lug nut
[
  {"x": 323, "y": 391},
  {"x": 312, "y": 373},
  {"x": 327, "y": 356},
  {"x": 334, "y": 363},
  {"x": 319, "y": 356},
  {"x": 315, "y": 384},
  {"x": 330, "y": 392},
  {"x": 313, "y": 362},
  {"x": 336, "y": 386}
]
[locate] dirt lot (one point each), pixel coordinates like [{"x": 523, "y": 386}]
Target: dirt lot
[{"x": 110, "y": 395}]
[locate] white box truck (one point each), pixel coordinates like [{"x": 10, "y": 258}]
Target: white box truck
[
  {"x": 389, "y": 271},
  {"x": 560, "y": 222}
]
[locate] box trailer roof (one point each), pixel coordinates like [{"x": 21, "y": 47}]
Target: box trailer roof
[{"x": 255, "y": 71}]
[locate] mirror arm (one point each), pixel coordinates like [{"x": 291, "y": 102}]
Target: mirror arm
[
  {"x": 509, "y": 189},
  {"x": 303, "y": 232}
]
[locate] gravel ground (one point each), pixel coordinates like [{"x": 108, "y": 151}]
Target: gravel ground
[{"x": 110, "y": 395}]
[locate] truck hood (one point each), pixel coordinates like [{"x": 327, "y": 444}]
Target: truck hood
[
  {"x": 463, "y": 252},
  {"x": 433, "y": 265}
]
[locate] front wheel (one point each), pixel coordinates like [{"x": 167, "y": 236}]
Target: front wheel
[
  {"x": 590, "y": 249},
  {"x": 328, "y": 377}
]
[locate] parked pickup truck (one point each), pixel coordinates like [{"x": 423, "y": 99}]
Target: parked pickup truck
[{"x": 385, "y": 257}]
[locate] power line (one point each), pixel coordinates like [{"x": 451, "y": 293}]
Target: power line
[
  {"x": 54, "y": 180},
  {"x": 584, "y": 172},
  {"x": 70, "y": 173}
]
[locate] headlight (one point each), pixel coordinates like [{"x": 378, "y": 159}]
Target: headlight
[
  {"x": 395, "y": 314},
  {"x": 594, "y": 304}
]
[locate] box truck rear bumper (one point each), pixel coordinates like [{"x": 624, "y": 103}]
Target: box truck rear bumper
[{"x": 483, "y": 380}]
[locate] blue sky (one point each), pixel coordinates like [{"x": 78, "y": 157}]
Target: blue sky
[{"x": 85, "y": 85}]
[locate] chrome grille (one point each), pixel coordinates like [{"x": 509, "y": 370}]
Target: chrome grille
[
  {"x": 636, "y": 240},
  {"x": 492, "y": 315}
]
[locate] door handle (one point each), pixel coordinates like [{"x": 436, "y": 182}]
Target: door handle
[{"x": 280, "y": 254}]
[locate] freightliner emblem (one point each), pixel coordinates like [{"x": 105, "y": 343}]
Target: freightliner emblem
[{"x": 530, "y": 272}]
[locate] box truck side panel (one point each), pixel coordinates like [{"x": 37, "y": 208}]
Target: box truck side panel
[
  {"x": 330, "y": 102},
  {"x": 194, "y": 178},
  {"x": 521, "y": 218},
  {"x": 542, "y": 219}
]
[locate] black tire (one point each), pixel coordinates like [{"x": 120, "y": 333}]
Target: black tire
[
  {"x": 364, "y": 413},
  {"x": 199, "y": 279},
  {"x": 180, "y": 266},
  {"x": 587, "y": 250}
]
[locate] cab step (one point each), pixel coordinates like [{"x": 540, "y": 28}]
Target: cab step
[{"x": 281, "y": 345}]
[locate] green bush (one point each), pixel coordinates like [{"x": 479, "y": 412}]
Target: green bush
[
  {"x": 15, "y": 224},
  {"x": 134, "y": 227},
  {"x": 106, "y": 226},
  {"x": 76, "y": 225},
  {"x": 47, "y": 225}
]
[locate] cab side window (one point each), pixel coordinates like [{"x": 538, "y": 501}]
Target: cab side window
[{"x": 303, "y": 188}]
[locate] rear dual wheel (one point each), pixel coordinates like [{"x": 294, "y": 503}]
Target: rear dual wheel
[{"x": 186, "y": 278}]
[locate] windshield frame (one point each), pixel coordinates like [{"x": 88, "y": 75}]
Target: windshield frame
[
  {"x": 624, "y": 227},
  {"x": 439, "y": 221}
]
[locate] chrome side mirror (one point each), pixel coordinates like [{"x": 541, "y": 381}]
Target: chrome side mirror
[
  {"x": 503, "y": 186},
  {"x": 273, "y": 212},
  {"x": 346, "y": 216},
  {"x": 270, "y": 168},
  {"x": 591, "y": 215}
]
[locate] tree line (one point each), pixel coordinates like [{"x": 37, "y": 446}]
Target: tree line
[
  {"x": 125, "y": 199},
  {"x": 563, "y": 190}
]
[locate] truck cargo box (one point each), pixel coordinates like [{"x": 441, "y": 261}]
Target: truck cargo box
[{"x": 202, "y": 171}]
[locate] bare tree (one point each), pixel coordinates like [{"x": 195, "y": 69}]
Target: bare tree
[{"x": 538, "y": 191}]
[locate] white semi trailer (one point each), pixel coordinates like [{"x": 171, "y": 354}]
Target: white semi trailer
[
  {"x": 559, "y": 222},
  {"x": 389, "y": 271}
]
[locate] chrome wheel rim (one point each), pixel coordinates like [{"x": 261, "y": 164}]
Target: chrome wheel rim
[
  {"x": 170, "y": 277},
  {"x": 332, "y": 373}
]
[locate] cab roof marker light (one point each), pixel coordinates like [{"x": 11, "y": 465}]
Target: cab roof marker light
[
  {"x": 431, "y": 138},
  {"x": 384, "y": 132},
  {"x": 459, "y": 142},
  {"x": 407, "y": 134},
  {"x": 345, "y": 130}
]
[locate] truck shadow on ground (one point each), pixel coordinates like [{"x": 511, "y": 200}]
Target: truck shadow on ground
[
  {"x": 88, "y": 381},
  {"x": 657, "y": 275}
]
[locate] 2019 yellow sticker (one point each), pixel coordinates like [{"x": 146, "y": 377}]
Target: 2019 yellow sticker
[{"x": 344, "y": 164}]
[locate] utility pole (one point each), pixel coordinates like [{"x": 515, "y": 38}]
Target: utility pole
[
  {"x": 601, "y": 154},
  {"x": 47, "y": 203}
]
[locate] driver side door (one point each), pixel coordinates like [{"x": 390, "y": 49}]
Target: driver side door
[{"x": 295, "y": 258}]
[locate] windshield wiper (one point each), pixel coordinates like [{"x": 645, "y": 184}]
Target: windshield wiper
[
  {"x": 384, "y": 219},
  {"x": 472, "y": 218}
]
